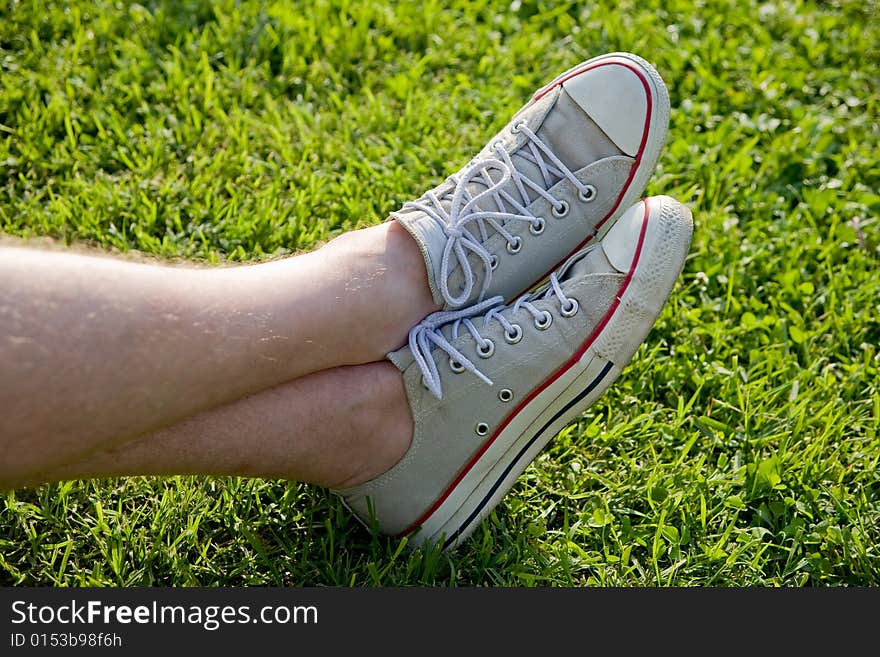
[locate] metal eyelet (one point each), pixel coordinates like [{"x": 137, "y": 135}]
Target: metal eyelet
[
  {"x": 505, "y": 394},
  {"x": 493, "y": 262},
  {"x": 498, "y": 144},
  {"x": 516, "y": 126},
  {"x": 560, "y": 211},
  {"x": 516, "y": 336},
  {"x": 486, "y": 349},
  {"x": 455, "y": 366},
  {"x": 587, "y": 194},
  {"x": 543, "y": 325},
  {"x": 515, "y": 246},
  {"x": 570, "y": 309},
  {"x": 538, "y": 227},
  {"x": 482, "y": 428}
]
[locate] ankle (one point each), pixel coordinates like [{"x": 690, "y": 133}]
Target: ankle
[
  {"x": 383, "y": 426},
  {"x": 385, "y": 279},
  {"x": 411, "y": 263}
]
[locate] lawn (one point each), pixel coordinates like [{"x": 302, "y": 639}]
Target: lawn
[{"x": 740, "y": 447}]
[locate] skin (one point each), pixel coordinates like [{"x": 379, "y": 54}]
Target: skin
[
  {"x": 117, "y": 367},
  {"x": 335, "y": 428}
]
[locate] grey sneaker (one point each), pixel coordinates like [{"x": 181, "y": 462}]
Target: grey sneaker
[
  {"x": 490, "y": 385},
  {"x": 556, "y": 177}
]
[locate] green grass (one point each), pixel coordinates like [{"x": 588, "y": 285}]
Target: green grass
[{"x": 741, "y": 446}]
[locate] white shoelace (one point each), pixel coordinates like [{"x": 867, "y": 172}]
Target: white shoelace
[
  {"x": 464, "y": 209},
  {"x": 427, "y": 335}
]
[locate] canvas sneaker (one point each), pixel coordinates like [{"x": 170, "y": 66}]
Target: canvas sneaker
[
  {"x": 555, "y": 178},
  {"x": 489, "y": 386}
]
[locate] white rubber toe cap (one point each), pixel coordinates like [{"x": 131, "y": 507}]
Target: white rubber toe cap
[
  {"x": 616, "y": 96},
  {"x": 621, "y": 241},
  {"x": 670, "y": 222}
]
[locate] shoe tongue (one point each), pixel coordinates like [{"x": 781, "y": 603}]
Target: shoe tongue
[
  {"x": 535, "y": 114},
  {"x": 571, "y": 136},
  {"x": 590, "y": 260},
  {"x": 575, "y": 139},
  {"x": 525, "y": 168}
]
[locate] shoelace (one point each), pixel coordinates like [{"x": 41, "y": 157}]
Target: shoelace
[
  {"x": 464, "y": 209},
  {"x": 427, "y": 335}
]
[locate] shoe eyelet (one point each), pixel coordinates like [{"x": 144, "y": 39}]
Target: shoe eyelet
[
  {"x": 487, "y": 349},
  {"x": 516, "y": 126},
  {"x": 561, "y": 210},
  {"x": 570, "y": 309},
  {"x": 515, "y": 246},
  {"x": 455, "y": 366},
  {"x": 543, "y": 325},
  {"x": 538, "y": 227},
  {"x": 482, "y": 428},
  {"x": 588, "y": 194},
  {"x": 505, "y": 394},
  {"x": 516, "y": 336},
  {"x": 498, "y": 145},
  {"x": 493, "y": 262}
]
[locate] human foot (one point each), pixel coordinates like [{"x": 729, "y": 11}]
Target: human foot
[
  {"x": 556, "y": 177},
  {"x": 537, "y": 364}
]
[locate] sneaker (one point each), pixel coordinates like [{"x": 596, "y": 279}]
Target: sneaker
[
  {"x": 489, "y": 386},
  {"x": 555, "y": 178}
]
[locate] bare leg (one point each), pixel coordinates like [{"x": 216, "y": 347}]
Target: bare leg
[
  {"x": 95, "y": 350},
  {"x": 334, "y": 428}
]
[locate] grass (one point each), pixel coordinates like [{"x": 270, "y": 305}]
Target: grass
[{"x": 741, "y": 446}]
